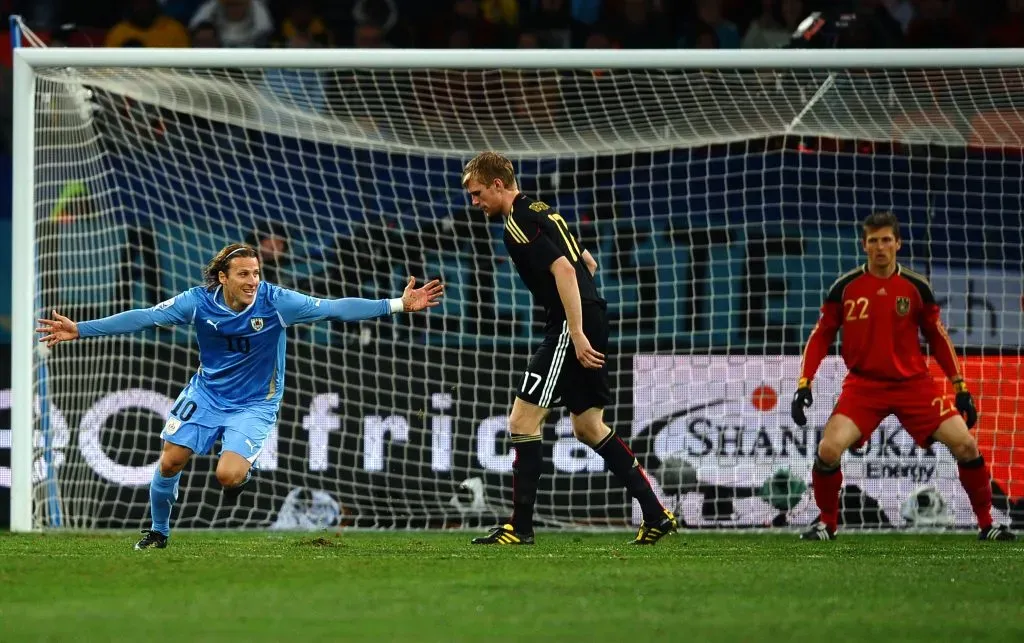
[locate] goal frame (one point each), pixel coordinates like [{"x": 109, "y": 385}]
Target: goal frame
[{"x": 27, "y": 60}]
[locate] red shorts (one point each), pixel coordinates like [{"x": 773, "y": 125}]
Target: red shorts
[{"x": 919, "y": 405}]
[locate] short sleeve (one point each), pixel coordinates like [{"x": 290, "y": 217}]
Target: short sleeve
[{"x": 530, "y": 235}]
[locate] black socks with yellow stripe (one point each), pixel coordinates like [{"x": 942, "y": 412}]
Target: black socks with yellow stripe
[
  {"x": 627, "y": 469},
  {"x": 526, "y": 469},
  {"x": 525, "y": 475}
]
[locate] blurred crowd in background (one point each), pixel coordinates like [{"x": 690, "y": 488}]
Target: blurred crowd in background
[
  {"x": 446, "y": 103},
  {"x": 513, "y": 23}
]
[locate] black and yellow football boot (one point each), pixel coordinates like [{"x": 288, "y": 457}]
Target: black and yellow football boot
[
  {"x": 504, "y": 535},
  {"x": 651, "y": 532}
]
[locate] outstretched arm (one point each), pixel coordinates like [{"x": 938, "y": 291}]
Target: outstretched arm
[
  {"x": 173, "y": 312},
  {"x": 295, "y": 307},
  {"x": 57, "y": 330}
]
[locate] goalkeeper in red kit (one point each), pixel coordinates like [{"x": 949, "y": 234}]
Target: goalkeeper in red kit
[{"x": 880, "y": 307}]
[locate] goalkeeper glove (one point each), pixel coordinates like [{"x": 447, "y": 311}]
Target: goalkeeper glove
[
  {"x": 802, "y": 399},
  {"x": 965, "y": 403}
]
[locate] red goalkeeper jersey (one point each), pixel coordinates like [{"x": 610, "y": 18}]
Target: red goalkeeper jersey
[{"x": 880, "y": 319}]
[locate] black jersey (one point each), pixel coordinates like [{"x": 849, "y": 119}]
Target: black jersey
[{"x": 536, "y": 236}]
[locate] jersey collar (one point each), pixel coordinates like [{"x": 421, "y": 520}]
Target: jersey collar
[
  {"x": 219, "y": 294},
  {"x": 512, "y": 207},
  {"x": 895, "y": 273}
]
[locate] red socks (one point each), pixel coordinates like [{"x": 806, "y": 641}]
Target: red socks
[
  {"x": 977, "y": 482},
  {"x": 974, "y": 476},
  {"x": 827, "y": 481}
]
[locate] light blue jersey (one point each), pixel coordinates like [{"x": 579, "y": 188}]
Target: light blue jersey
[{"x": 240, "y": 379}]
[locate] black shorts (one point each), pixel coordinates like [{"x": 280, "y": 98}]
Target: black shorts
[{"x": 556, "y": 378}]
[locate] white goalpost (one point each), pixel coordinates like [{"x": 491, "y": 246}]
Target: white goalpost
[{"x": 720, "y": 192}]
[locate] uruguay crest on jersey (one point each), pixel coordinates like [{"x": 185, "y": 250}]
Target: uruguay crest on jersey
[{"x": 242, "y": 352}]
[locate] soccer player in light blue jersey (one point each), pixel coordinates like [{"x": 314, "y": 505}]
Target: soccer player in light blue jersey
[{"x": 235, "y": 395}]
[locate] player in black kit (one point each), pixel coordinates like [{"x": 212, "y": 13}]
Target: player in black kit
[{"x": 568, "y": 368}]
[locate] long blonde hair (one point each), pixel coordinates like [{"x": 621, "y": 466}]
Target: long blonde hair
[{"x": 222, "y": 261}]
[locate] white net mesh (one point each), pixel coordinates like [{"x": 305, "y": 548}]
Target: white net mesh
[{"x": 719, "y": 206}]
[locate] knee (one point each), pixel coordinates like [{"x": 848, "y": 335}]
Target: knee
[
  {"x": 230, "y": 476},
  {"x": 965, "y": 450},
  {"x": 830, "y": 452},
  {"x": 840, "y": 434},
  {"x": 518, "y": 425},
  {"x": 171, "y": 465},
  {"x": 588, "y": 432}
]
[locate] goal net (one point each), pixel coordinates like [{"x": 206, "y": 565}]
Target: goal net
[{"x": 719, "y": 204}]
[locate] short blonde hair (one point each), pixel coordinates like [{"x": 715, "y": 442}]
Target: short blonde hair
[{"x": 488, "y": 166}]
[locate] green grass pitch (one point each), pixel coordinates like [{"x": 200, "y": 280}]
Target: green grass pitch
[{"x": 422, "y": 587}]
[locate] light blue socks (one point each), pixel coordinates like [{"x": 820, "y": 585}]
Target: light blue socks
[{"x": 162, "y": 494}]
